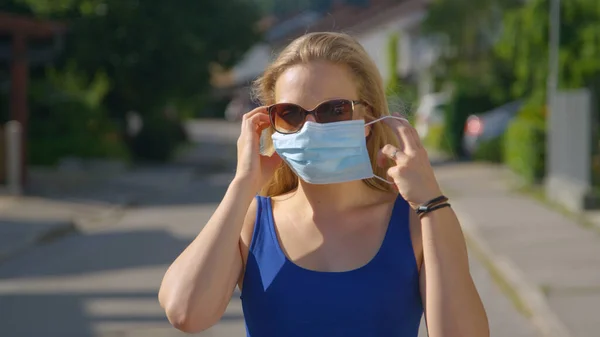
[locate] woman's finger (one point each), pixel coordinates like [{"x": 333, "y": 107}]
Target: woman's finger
[
  {"x": 390, "y": 152},
  {"x": 414, "y": 135},
  {"x": 260, "y": 109},
  {"x": 256, "y": 120},
  {"x": 402, "y": 128}
]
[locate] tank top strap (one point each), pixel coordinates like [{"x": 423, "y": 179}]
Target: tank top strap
[
  {"x": 400, "y": 218},
  {"x": 258, "y": 222},
  {"x": 263, "y": 234},
  {"x": 264, "y": 257},
  {"x": 397, "y": 245}
]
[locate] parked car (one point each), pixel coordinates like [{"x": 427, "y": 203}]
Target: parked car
[
  {"x": 488, "y": 125},
  {"x": 430, "y": 112}
]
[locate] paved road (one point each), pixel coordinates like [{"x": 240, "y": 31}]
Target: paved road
[{"x": 103, "y": 282}]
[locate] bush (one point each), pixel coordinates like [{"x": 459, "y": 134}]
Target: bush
[
  {"x": 68, "y": 119},
  {"x": 525, "y": 146},
  {"x": 466, "y": 100},
  {"x": 491, "y": 150},
  {"x": 72, "y": 129},
  {"x": 158, "y": 140},
  {"x": 434, "y": 139}
]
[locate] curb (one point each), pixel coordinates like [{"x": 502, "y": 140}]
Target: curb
[{"x": 525, "y": 295}]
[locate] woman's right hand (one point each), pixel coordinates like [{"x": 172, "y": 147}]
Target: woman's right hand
[{"x": 252, "y": 167}]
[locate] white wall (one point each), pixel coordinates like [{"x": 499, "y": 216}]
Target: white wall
[
  {"x": 376, "y": 41},
  {"x": 411, "y": 50}
]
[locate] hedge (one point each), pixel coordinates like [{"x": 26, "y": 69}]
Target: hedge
[{"x": 525, "y": 148}]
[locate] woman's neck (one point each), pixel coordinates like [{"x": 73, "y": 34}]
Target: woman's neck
[{"x": 337, "y": 197}]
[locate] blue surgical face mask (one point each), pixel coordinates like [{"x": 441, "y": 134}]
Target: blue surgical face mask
[{"x": 328, "y": 153}]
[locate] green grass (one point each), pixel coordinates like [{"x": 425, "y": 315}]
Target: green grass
[{"x": 499, "y": 279}]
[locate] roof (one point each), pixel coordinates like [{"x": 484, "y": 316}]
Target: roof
[
  {"x": 355, "y": 19},
  {"x": 351, "y": 19},
  {"x": 11, "y": 23}
]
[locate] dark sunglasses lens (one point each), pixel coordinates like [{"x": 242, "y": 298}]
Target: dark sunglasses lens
[
  {"x": 287, "y": 118},
  {"x": 334, "y": 111}
]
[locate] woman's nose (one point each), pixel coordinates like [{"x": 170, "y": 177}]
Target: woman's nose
[{"x": 310, "y": 118}]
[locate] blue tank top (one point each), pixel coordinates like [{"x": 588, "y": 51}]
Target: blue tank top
[{"x": 282, "y": 299}]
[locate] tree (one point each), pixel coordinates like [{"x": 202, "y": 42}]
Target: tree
[
  {"x": 147, "y": 56},
  {"x": 524, "y": 44},
  {"x": 154, "y": 52},
  {"x": 468, "y": 30}
]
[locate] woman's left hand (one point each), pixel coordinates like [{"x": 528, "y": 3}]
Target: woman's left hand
[{"x": 412, "y": 172}]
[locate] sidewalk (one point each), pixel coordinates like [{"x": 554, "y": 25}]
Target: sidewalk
[
  {"x": 65, "y": 201},
  {"x": 62, "y": 203},
  {"x": 28, "y": 221},
  {"x": 548, "y": 264}
]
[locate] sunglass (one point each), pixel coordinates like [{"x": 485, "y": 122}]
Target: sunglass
[{"x": 289, "y": 118}]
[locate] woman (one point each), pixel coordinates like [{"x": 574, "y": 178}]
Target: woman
[{"x": 353, "y": 236}]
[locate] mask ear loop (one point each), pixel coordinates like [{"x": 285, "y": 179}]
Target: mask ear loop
[
  {"x": 386, "y": 117},
  {"x": 378, "y": 120},
  {"x": 384, "y": 180}
]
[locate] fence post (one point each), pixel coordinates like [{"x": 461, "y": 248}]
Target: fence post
[{"x": 13, "y": 157}]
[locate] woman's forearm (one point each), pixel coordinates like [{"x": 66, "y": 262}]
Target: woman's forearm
[
  {"x": 198, "y": 285},
  {"x": 453, "y": 305}
]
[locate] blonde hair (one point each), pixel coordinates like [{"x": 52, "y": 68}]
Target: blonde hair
[{"x": 337, "y": 48}]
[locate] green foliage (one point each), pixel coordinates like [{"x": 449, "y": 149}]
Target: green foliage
[
  {"x": 524, "y": 44},
  {"x": 393, "y": 85},
  {"x": 534, "y": 110},
  {"x": 69, "y": 121},
  {"x": 128, "y": 55},
  {"x": 392, "y": 88},
  {"x": 153, "y": 52},
  {"x": 525, "y": 144},
  {"x": 467, "y": 31},
  {"x": 595, "y": 160},
  {"x": 468, "y": 25},
  {"x": 400, "y": 96},
  {"x": 467, "y": 99},
  {"x": 596, "y": 168},
  {"x": 74, "y": 84},
  {"x": 435, "y": 137},
  {"x": 491, "y": 150},
  {"x": 158, "y": 140},
  {"x": 159, "y": 52}
]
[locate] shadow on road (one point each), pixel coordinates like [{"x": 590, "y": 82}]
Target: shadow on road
[
  {"x": 60, "y": 314},
  {"x": 80, "y": 314},
  {"x": 79, "y": 254},
  {"x": 74, "y": 286}
]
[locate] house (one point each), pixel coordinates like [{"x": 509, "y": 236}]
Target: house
[{"x": 371, "y": 22}]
